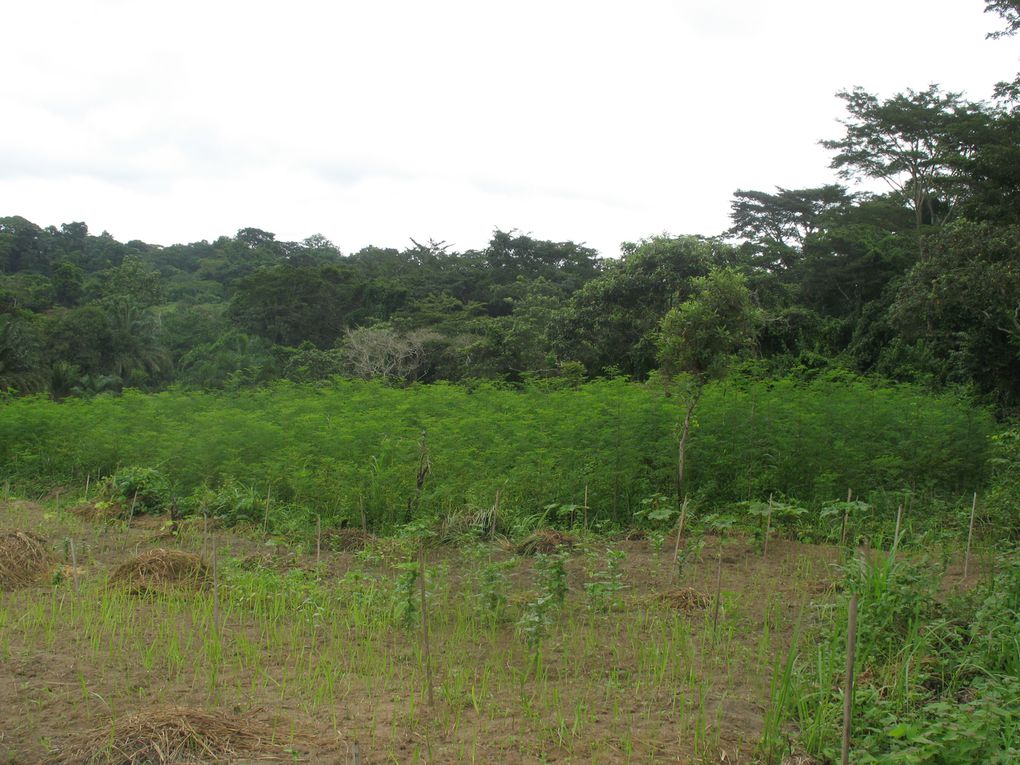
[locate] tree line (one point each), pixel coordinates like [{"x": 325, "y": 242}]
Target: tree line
[{"x": 918, "y": 281}]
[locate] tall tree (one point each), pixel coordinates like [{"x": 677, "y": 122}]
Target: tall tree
[
  {"x": 959, "y": 308},
  {"x": 613, "y": 319},
  {"x": 910, "y": 142},
  {"x": 1010, "y": 12},
  {"x": 776, "y": 225},
  {"x": 698, "y": 338}
]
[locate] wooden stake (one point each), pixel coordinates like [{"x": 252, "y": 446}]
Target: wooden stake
[
  {"x": 679, "y": 534},
  {"x": 846, "y": 517},
  {"x": 426, "y": 654},
  {"x": 848, "y": 688},
  {"x": 74, "y": 568},
  {"x": 134, "y": 501},
  {"x": 718, "y": 597},
  {"x": 265, "y": 517},
  {"x": 318, "y": 540},
  {"x": 361, "y": 507},
  {"x": 357, "y": 754},
  {"x": 586, "y": 507},
  {"x": 216, "y": 592},
  {"x": 896, "y": 535},
  {"x": 970, "y": 536},
  {"x": 495, "y": 516},
  {"x": 768, "y": 530},
  {"x": 88, "y": 479}
]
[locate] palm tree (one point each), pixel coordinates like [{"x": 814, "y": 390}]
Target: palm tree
[
  {"x": 137, "y": 354},
  {"x": 20, "y": 369}
]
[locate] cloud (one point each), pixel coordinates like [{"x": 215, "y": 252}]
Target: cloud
[{"x": 373, "y": 122}]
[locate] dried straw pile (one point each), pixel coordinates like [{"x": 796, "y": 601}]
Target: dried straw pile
[
  {"x": 684, "y": 599},
  {"x": 24, "y": 559},
  {"x": 161, "y": 570},
  {"x": 346, "y": 540},
  {"x": 175, "y": 735},
  {"x": 544, "y": 542},
  {"x": 99, "y": 512}
]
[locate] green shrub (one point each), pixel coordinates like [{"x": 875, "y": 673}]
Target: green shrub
[{"x": 147, "y": 488}]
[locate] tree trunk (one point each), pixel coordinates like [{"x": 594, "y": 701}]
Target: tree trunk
[{"x": 681, "y": 456}]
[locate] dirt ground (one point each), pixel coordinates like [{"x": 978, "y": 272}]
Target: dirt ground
[{"x": 604, "y": 693}]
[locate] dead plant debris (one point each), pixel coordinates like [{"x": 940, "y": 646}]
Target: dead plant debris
[
  {"x": 544, "y": 542},
  {"x": 99, "y": 512},
  {"x": 684, "y": 599},
  {"x": 160, "y": 570},
  {"x": 24, "y": 559},
  {"x": 175, "y": 735},
  {"x": 346, "y": 540}
]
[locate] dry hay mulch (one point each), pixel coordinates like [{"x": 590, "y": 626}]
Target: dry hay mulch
[
  {"x": 684, "y": 599},
  {"x": 178, "y": 735},
  {"x": 346, "y": 540},
  {"x": 162, "y": 570},
  {"x": 101, "y": 512},
  {"x": 544, "y": 542},
  {"x": 258, "y": 561},
  {"x": 55, "y": 493},
  {"x": 264, "y": 559},
  {"x": 633, "y": 535},
  {"x": 22, "y": 505},
  {"x": 24, "y": 559}
]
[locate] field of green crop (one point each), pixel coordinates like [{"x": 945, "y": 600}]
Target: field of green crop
[{"x": 358, "y": 573}]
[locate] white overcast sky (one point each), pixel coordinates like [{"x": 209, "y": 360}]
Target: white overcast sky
[{"x": 372, "y": 121}]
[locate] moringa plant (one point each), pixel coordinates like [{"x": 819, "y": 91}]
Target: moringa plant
[{"x": 697, "y": 341}]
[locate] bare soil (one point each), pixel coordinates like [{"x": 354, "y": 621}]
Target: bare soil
[{"x": 596, "y": 701}]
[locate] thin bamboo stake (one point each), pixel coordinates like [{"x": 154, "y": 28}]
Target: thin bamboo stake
[
  {"x": 848, "y": 689},
  {"x": 970, "y": 536},
  {"x": 679, "y": 534},
  {"x": 718, "y": 598},
  {"x": 74, "y": 568},
  {"x": 426, "y": 653},
  {"x": 134, "y": 501},
  {"x": 88, "y": 479},
  {"x": 846, "y": 517},
  {"x": 495, "y": 516},
  {"x": 586, "y": 507},
  {"x": 896, "y": 534},
  {"x": 357, "y": 754},
  {"x": 216, "y": 591},
  {"x": 364, "y": 518},
  {"x": 768, "y": 530},
  {"x": 265, "y": 516},
  {"x": 318, "y": 540}
]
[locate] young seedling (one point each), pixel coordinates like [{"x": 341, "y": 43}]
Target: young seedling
[
  {"x": 426, "y": 655},
  {"x": 848, "y": 688}
]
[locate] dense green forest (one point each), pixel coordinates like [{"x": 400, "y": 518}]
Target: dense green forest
[{"x": 917, "y": 284}]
